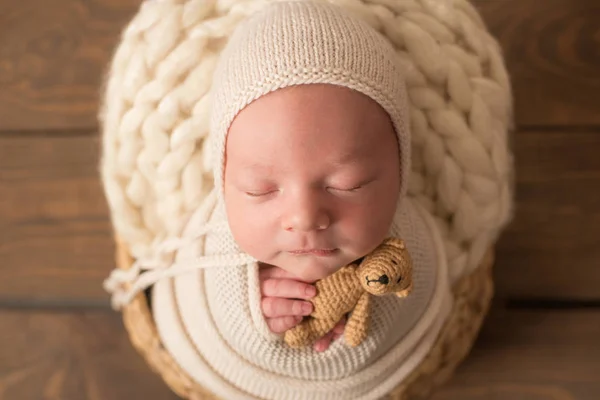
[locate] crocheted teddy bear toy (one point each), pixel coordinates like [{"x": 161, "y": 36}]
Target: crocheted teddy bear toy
[{"x": 387, "y": 269}]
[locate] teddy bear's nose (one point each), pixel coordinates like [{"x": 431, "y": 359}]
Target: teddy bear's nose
[{"x": 384, "y": 280}]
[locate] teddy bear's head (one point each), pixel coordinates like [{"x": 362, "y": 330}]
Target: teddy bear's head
[{"x": 387, "y": 269}]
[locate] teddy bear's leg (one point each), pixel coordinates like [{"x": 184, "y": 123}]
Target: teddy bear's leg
[
  {"x": 308, "y": 331},
  {"x": 357, "y": 326},
  {"x": 300, "y": 335}
]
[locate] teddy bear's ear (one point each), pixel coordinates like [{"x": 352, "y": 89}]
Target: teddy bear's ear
[{"x": 395, "y": 242}]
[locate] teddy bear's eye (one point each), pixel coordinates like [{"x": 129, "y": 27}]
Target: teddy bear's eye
[
  {"x": 394, "y": 262},
  {"x": 399, "y": 279}
]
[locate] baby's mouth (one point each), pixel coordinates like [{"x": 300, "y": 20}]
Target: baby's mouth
[{"x": 314, "y": 252}]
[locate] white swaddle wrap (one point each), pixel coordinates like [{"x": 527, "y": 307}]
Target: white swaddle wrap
[{"x": 210, "y": 321}]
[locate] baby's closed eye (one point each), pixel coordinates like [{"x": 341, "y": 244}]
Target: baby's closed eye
[
  {"x": 350, "y": 188},
  {"x": 260, "y": 193},
  {"x": 257, "y": 189}
]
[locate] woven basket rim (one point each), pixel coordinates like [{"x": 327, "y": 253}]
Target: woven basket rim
[{"x": 472, "y": 297}]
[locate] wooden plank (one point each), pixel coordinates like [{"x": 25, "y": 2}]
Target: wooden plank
[
  {"x": 52, "y": 58},
  {"x": 551, "y": 51},
  {"x": 55, "y": 234},
  {"x": 552, "y": 249},
  {"x": 72, "y": 356},
  {"x": 520, "y": 355},
  {"x": 531, "y": 355},
  {"x": 53, "y": 54}
]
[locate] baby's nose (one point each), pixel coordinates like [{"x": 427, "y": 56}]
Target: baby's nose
[
  {"x": 305, "y": 214},
  {"x": 300, "y": 223}
]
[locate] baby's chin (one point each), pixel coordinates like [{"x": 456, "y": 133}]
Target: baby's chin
[
  {"x": 312, "y": 277},
  {"x": 312, "y": 268}
]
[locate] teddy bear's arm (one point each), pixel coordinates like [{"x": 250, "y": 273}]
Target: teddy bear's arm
[{"x": 357, "y": 326}]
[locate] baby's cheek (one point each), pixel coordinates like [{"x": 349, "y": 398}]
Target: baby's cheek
[
  {"x": 244, "y": 231},
  {"x": 369, "y": 226},
  {"x": 239, "y": 223},
  {"x": 249, "y": 230}
]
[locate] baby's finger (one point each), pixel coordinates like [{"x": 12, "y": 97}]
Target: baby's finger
[
  {"x": 323, "y": 343},
  {"x": 282, "y": 324},
  {"x": 287, "y": 288},
  {"x": 338, "y": 331},
  {"x": 273, "y": 307}
]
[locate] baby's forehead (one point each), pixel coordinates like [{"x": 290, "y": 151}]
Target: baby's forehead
[
  {"x": 325, "y": 95},
  {"x": 307, "y": 109},
  {"x": 295, "y": 127}
]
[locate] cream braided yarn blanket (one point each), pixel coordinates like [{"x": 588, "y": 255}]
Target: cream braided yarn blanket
[{"x": 155, "y": 117}]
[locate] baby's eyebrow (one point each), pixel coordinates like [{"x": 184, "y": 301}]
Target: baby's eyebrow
[
  {"x": 248, "y": 167},
  {"x": 350, "y": 156},
  {"x": 254, "y": 164}
]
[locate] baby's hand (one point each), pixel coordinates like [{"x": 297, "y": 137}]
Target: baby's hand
[
  {"x": 282, "y": 298},
  {"x": 283, "y": 306}
]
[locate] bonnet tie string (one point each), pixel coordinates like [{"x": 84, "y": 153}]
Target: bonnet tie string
[{"x": 125, "y": 284}]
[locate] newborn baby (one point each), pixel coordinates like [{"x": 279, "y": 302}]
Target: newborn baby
[
  {"x": 312, "y": 179},
  {"x": 310, "y": 149}
]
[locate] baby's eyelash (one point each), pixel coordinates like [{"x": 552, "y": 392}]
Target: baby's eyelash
[
  {"x": 353, "y": 189},
  {"x": 259, "y": 194}
]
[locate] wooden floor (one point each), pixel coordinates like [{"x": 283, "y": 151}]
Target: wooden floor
[
  {"x": 59, "y": 340},
  {"x": 85, "y": 354}
]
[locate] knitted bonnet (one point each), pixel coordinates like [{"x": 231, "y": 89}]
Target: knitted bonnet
[
  {"x": 206, "y": 294},
  {"x": 300, "y": 43}
]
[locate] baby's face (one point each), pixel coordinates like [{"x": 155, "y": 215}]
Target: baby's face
[{"x": 312, "y": 178}]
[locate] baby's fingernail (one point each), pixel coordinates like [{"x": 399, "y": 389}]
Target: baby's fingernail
[
  {"x": 310, "y": 291},
  {"x": 306, "y": 308},
  {"x": 298, "y": 318}
]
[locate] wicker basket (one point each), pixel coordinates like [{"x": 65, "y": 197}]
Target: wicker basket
[
  {"x": 472, "y": 296},
  {"x": 152, "y": 165}
]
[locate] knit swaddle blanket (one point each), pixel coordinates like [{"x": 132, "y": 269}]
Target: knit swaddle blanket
[
  {"x": 210, "y": 321},
  {"x": 156, "y": 160}
]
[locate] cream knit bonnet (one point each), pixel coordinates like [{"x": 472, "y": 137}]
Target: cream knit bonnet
[
  {"x": 299, "y": 43},
  {"x": 206, "y": 294}
]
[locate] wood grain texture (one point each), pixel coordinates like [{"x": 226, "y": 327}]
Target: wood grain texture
[
  {"x": 552, "y": 53},
  {"x": 552, "y": 249},
  {"x": 72, "y": 356},
  {"x": 531, "y": 355},
  {"x": 53, "y": 55},
  {"x": 56, "y": 246},
  {"x": 52, "y": 58},
  {"x": 520, "y": 355},
  {"x": 55, "y": 235}
]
